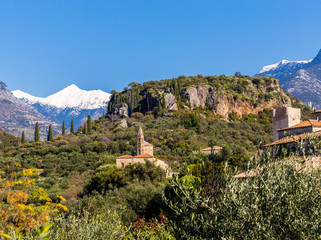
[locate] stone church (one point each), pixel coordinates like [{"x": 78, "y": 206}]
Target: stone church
[{"x": 145, "y": 150}]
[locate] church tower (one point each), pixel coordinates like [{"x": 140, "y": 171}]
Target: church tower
[{"x": 140, "y": 141}]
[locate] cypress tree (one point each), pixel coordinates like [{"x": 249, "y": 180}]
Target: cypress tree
[
  {"x": 37, "y": 136},
  {"x": 63, "y": 129},
  {"x": 163, "y": 101},
  {"x": 23, "y": 138},
  {"x": 50, "y": 135},
  {"x": 159, "y": 105},
  {"x": 72, "y": 130},
  {"x": 84, "y": 128},
  {"x": 89, "y": 124}
]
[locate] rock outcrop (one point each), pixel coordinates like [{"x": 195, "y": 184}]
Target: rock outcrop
[
  {"x": 122, "y": 111},
  {"x": 197, "y": 96},
  {"x": 225, "y": 104},
  {"x": 123, "y": 123},
  {"x": 170, "y": 101}
]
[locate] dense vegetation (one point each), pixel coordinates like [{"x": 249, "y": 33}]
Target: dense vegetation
[
  {"x": 204, "y": 200},
  {"x": 149, "y": 96},
  {"x": 7, "y": 141}
]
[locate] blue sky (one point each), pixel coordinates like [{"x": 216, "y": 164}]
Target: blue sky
[{"x": 48, "y": 45}]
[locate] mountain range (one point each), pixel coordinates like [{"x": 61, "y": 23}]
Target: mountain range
[
  {"x": 71, "y": 103},
  {"x": 19, "y": 111},
  {"x": 302, "y": 79},
  {"x": 17, "y": 116}
]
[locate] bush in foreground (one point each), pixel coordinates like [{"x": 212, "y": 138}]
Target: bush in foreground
[{"x": 279, "y": 202}]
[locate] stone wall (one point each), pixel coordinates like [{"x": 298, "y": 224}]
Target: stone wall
[{"x": 284, "y": 118}]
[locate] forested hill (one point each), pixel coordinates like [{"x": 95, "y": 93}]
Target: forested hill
[
  {"x": 223, "y": 95},
  {"x": 179, "y": 117}
]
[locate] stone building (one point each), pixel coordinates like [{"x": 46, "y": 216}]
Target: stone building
[
  {"x": 284, "y": 118},
  {"x": 143, "y": 147},
  {"x": 288, "y": 129},
  {"x": 145, "y": 151}
]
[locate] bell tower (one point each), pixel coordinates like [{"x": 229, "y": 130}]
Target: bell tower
[{"x": 140, "y": 141}]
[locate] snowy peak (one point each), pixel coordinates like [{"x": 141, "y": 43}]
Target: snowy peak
[
  {"x": 300, "y": 78},
  {"x": 281, "y": 64},
  {"x": 69, "y": 97},
  {"x": 27, "y": 96}
]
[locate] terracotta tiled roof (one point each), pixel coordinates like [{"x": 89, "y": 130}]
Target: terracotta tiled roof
[
  {"x": 293, "y": 138},
  {"x": 125, "y": 156},
  {"x": 308, "y": 123},
  {"x": 214, "y": 148},
  {"x": 144, "y": 156}
]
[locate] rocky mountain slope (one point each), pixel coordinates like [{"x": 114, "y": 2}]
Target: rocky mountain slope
[
  {"x": 69, "y": 103},
  {"x": 300, "y": 78},
  {"x": 17, "y": 116},
  {"x": 223, "y": 95}
]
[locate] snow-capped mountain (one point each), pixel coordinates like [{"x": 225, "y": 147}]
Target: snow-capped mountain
[
  {"x": 300, "y": 78},
  {"x": 71, "y": 103},
  {"x": 282, "y": 68},
  {"x": 70, "y": 97}
]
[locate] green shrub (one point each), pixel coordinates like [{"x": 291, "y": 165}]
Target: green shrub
[
  {"x": 278, "y": 202},
  {"x": 77, "y": 227}
]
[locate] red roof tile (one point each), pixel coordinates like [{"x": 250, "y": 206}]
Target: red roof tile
[
  {"x": 308, "y": 123},
  {"x": 293, "y": 138},
  {"x": 125, "y": 156},
  {"x": 144, "y": 156}
]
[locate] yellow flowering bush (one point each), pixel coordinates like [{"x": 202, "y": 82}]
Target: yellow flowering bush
[{"x": 22, "y": 203}]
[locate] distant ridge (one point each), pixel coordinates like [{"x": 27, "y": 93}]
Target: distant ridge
[
  {"x": 69, "y": 97},
  {"x": 300, "y": 78},
  {"x": 17, "y": 116},
  {"x": 71, "y": 103}
]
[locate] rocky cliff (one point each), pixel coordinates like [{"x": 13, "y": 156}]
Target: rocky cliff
[
  {"x": 225, "y": 104},
  {"x": 220, "y": 94}
]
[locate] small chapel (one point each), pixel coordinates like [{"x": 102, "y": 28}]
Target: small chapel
[{"x": 145, "y": 151}]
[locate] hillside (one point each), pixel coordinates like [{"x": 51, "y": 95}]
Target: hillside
[
  {"x": 300, "y": 78},
  {"x": 222, "y": 95},
  {"x": 174, "y": 121},
  {"x": 7, "y": 141},
  {"x": 17, "y": 116},
  {"x": 81, "y": 168}
]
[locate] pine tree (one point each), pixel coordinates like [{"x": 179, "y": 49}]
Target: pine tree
[
  {"x": 23, "y": 138},
  {"x": 50, "y": 135},
  {"x": 37, "y": 136},
  {"x": 72, "y": 130},
  {"x": 89, "y": 124},
  {"x": 63, "y": 129}
]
